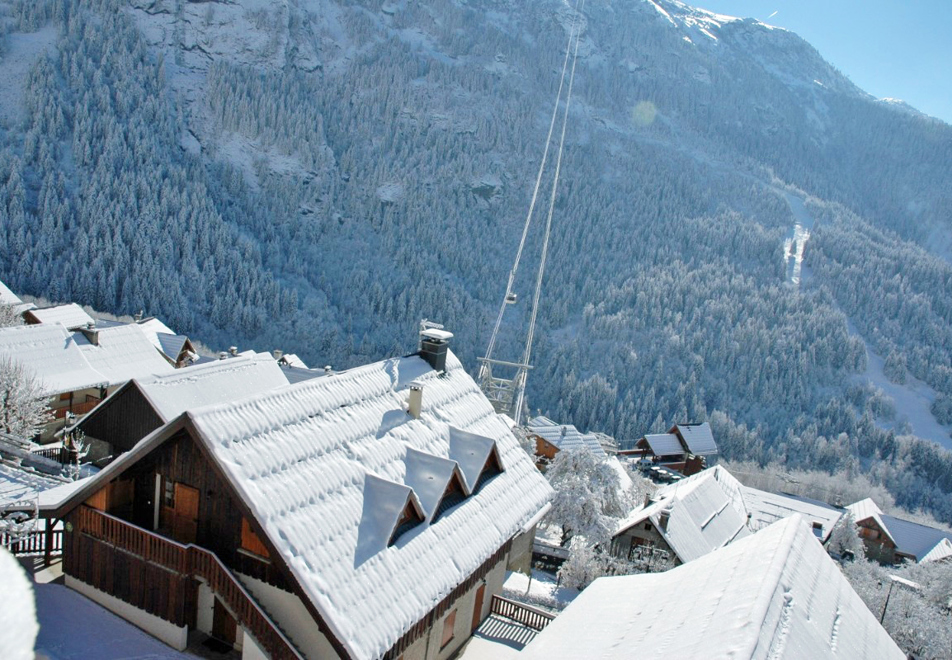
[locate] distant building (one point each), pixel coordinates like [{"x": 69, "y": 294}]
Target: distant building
[
  {"x": 685, "y": 448},
  {"x": 78, "y": 369},
  {"x": 370, "y": 513},
  {"x": 773, "y": 594},
  {"x": 175, "y": 348},
  {"x": 890, "y": 540},
  {"x": 550, "y": 438}
]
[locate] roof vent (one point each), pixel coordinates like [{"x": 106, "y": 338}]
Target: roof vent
[
  {"x": 138, "y": 316},
  {"x": 233, "y": 350},
  {"x": 223, "y": 355},
  {"x": 434, "y": 344},
  {"x": 416, "y": 400},
  {"x": 277, "y": 353},
  {"x": 328, "y": 369}
]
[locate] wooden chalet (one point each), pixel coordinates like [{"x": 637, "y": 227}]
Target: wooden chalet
[
  {"x": 685, "y": 448},
  {"x": 550, "y": 438},
  {"x": 333, "y": 518},
  {"x": 177, "y": 349},
  {"x": 891, "y": 540},
  {"x": 71, "y": 316}
]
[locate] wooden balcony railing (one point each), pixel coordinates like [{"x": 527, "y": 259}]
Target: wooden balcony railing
[
  {"x": 195, "y": 562},
  {"x": 528, "y": 616},
  {"x": 32, "y": 543}
]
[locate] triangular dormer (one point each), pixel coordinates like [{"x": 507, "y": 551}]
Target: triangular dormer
[
  {"x": 433, "y": 479},
  {"x": 390, "y": 510},
  {"x": 491, "y": 468},
  {"x": 454, "y": 494}
]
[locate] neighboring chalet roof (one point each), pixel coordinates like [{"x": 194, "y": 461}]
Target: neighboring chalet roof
[
  {"x": 220, "y": 381},
  {"x": 697, "y": 437},
  {"x": 767, "y": 508},
  {"x": 921, "y": 542},
  {"x": 298, "y": 374},
  {"x": 662, "y": 444},
  {"x": 774, "y": 594},
  {"x": 864, "y": 509},
  {"x": 70, "y": 316},
  {"x": 164, "y": 338},
  {"x": 123, "y": 352},
  {"x": 564, "y": 436},
  {"x": 51, "y": 353},
  {"x": 324, "y": 466},
  {"x": 702, "y": 515},
  {"x": 292, "y": 360},
  {"x": 7, "y": 297}
]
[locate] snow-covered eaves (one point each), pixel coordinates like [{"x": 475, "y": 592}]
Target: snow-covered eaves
[
  {"x": 122, "y": 353},
  {"x": 50, "y": 353},
  {"x": 21, "y": 485},
  {"x": 70, "y": 316},
  {"x": 302, "y": 458},
  {"x": 216, "y": 382},
  {"x": 773, "y": 594}
]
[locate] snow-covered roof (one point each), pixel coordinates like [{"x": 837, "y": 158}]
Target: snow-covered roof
[
  {"x": 664, "y": 444},
  {"x": 324, "y": 450},
  {"x": 702, "y": 515},
  {"x": 564, "y": 436},
  {"x": 767, "y": 508},
  {"x": 52, "y": 355},
  {"x": 774, "y": 594},
  {"x": 220, "y": 381},
  {"x": 70, "y": 316},
  {"x": 698, "y": 438},
  {"x": 7, "y": 297},
  {"x": 163, "y": 338},
  {"x": 921, "y": 542},
  {"x": 864, "y": 509},
  {"x": 123, "y": 352},
  {"x": 19, "y": 484}
]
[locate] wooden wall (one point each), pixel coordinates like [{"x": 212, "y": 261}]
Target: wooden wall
[{"x": 123, "y": 420}]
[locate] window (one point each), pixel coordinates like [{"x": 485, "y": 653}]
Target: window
[
  {"x": 408, "y": 520},
  {"x": 250, "y": 541},
  {"x": 448, "y": 624},
  {"x": 647, "y": 526},
  {"x": 168, "y": 493}
]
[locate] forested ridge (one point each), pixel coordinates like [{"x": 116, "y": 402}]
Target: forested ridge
[{"x": 317, "y": 176}]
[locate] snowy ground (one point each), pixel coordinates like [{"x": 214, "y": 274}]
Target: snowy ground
[
  {"x": 72, "y": 626},
  {"x": 21, "y": 52},
  {"x": 544, "y": 590},
  {"x": 796, "y": 239},
  {"x": 912, "y": 400}
]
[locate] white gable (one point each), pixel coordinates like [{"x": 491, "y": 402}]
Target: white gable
[
  {"x": 774, "y": 594},
  {"x": 302, "y": 455}
]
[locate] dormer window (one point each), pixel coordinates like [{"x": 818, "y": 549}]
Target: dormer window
[
  {"x": 453, "y": 495},
  {"x": 409, "y": 519},
  {"x": 491, "y": 468}
]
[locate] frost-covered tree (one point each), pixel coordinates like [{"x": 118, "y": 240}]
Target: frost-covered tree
[
  {"x": 589, "y": 499},
  {"x": 844, "y": 539},
  {"x": 9, "y": 316},
  {"x": 23, "y": 406}
]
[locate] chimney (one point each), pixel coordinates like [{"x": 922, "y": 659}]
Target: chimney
[
  {"x": 91, "y": 333},
  {"x": 416, "y": 400},
  {"x": 233, "y": 350},
  {"x": 138, "y": 316},
  {"x": 277, "y": 353},
  {"x": 223, "y": 355},
  {"x": 434, "y": 343},
  {"x": 328, "y": 370}
]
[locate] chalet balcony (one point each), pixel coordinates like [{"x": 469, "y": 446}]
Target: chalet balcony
[{"x": 160, "y": 575}]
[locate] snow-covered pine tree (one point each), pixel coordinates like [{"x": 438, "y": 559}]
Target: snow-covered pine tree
[{"x": 23, "y": 408}]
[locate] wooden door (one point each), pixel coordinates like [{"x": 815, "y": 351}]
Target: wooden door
[
  {"x": 478, "y": 607},
  {"x": 185, "y": 517},
  {"x": 224, "y": 626}
]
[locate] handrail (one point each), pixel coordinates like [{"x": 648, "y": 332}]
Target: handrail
[
  {"x": 527, "y": 615},
  {"x": 32, "y": 543},
  {"x": 193, "y": 561}
]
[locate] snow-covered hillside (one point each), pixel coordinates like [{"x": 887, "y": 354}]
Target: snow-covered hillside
[{"x": 317, "y": 175}]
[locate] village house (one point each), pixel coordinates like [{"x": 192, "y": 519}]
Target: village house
[
  {"x": 550, "y": 438},
  {"x": 685, "y": 448},
  {"x": 891, "y": 540},
  {"x": 773, "y": 594},
  {"x": 370, "y": 513},
  {"x": 706, "y": 511},
  {"x": 71, "y": 316},
  {"x": 175, "y": 348},
  {"x": 141, "y": 406},
  {"x": 78, "y": 369}
]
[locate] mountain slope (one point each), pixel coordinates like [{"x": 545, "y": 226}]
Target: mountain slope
[{"x": 317, "y": 176}]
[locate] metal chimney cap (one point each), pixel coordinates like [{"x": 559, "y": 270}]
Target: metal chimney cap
[{"x": 439, "y": 335}]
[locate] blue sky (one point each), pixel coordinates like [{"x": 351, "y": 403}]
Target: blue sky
[{"x": 890, "y": 48}]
